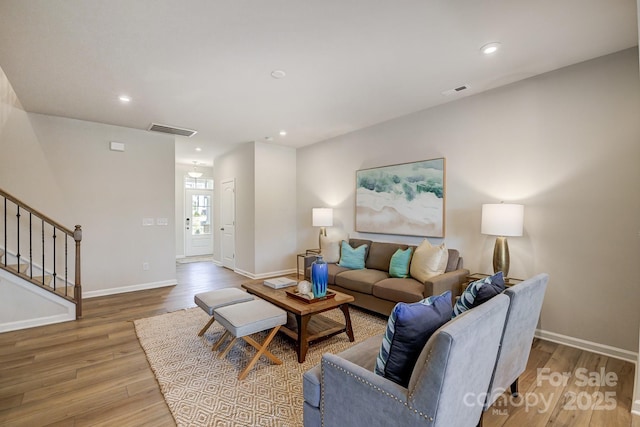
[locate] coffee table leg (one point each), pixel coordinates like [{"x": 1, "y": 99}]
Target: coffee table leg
[
  {"x": 347, "y": 321},
  {"x": 303, "y": 344}
]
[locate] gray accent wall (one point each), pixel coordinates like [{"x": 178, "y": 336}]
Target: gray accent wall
[{"x": 566, "y": 144}]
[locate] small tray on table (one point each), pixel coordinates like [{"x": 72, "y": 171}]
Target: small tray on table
[{"x": 305, "y": 298}]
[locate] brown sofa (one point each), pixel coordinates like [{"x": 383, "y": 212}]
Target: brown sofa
[{"x": 373, "y": 288}]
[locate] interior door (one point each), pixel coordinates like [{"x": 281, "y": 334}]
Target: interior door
[
  {"x": 228, "y": 223},
  {"x": 198, "y": 222}
]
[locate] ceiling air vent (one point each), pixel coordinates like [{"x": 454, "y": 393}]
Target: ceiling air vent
[
  {"x": 155, "y": 127},
  {"x": 455, "y": 90}
]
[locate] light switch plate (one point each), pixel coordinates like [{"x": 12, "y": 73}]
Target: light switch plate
[{"x": 147, "y": 221}]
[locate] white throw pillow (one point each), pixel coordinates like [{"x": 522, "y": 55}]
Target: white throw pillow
[
  {"x": 330, "y": 245},
  {"x": 429, "y": 261}
]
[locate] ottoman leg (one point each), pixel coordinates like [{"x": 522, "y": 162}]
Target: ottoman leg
[
  {"x": 227, "y": 348},
  {"x": 203, "y": 330},
  {"x": 262, "y": 349},
  {"x": 220, "y": 340}
]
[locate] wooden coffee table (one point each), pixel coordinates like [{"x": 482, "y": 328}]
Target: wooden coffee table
[{"x": 308, "y": 327}]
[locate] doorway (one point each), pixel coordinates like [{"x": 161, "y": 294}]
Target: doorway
[
  {"x": 228, "y": 223},
  {"x": 198, "y": 222}
]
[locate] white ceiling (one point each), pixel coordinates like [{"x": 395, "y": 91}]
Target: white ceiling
[{"x": 206, "y": 64}]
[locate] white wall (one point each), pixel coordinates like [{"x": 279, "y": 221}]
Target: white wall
[
  {"x": 565, "y": 144},
  {"x": 44, "y": 307},
  {"x": 636, "y": 388},
  {"x": 181, "y": 173},
  {"x": 275, "y": 230},
  {"x": 63, "y": 168},
  {"x": 239, "y": 165},
  {"x": 265, "y": 183}
]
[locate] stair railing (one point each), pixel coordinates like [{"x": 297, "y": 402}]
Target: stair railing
[{"x": 47, "y": 228}]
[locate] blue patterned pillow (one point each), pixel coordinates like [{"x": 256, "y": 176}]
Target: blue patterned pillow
[
  {"x": 479, "y": 292},
  {"x": 352, "y": 258},
  {"x": 408, "y": 329},
  {"x": 399, "y": 264}
]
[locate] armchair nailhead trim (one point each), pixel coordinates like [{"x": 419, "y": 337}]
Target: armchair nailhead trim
[
  {"x": 362, "y": 380},
  {"x": 426, "y": 362}
]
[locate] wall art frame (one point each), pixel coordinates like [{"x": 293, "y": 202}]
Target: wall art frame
[{"x": 405, "y": 199}]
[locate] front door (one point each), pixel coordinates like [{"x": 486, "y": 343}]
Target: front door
[
  {"x": 198, "y": 222},
  {"x": 228, "y": 223}
]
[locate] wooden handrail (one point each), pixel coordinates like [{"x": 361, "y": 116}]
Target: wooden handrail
[
  {"x": 75, "y": 234},
  {"x": 35, "y": 212}
]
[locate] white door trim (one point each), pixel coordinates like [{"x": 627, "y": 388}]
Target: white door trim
[{"x": 228, "y": 223}]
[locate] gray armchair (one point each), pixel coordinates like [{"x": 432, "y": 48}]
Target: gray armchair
[
  {"x": 524, "y": 311},
  {"x": 453, "y": 371}
]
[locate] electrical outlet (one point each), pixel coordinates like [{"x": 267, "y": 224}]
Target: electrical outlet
[{"x": 145, "y": 266}]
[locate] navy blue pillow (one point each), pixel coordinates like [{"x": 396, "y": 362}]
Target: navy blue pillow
[
  {"x": 491, "y": 289},
  {"x": 409, "y": 328},
  {"x": 479, "y": 292}
]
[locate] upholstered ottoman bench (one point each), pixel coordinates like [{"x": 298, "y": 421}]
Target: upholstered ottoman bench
[
  {"x": 246, "y": 318},
  {"x": 209, "y": 301}
]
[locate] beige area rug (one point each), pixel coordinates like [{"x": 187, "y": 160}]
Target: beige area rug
[{"x": 202, "y": 390}]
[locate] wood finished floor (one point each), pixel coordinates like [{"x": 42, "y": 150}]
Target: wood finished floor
[{"x": 93, "y": 372}]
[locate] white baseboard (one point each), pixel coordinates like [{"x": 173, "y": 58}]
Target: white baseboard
[
  {"x": 617, "y": 353},
  {"x": 266, "y": 275},
  {"x": 635, "y": 408},
  {"x": 41, "y": 321},
  {"x": 124, "y": 289}
]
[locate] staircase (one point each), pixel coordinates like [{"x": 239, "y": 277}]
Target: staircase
[{"x": 40, "y": 251}]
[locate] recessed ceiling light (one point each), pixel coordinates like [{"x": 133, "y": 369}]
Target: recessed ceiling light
[
  {"x": 198, "y": 149},
  {"x": 283, "y": 133},
  {"x": 124, "y": 98},
  {"x": 490, "y": 48},
  {"x": 278, "y": 74}
]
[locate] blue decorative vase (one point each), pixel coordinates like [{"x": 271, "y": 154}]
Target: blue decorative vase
[{"x": 319, "y": 277}]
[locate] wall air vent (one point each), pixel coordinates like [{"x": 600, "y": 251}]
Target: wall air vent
[
  {"x": 155, "y": 127},
  {"x": 455, "y": 90}
]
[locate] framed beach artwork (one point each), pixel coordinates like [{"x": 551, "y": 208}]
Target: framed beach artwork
[{"x": 406, "y": 199}]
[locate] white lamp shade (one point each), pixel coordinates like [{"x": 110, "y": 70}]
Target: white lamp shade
[
  {"x": 322, "y": 217},
  {"x": 502, "y": 219}
]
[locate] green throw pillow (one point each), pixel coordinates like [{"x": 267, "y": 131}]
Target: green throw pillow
[
  {"x": 399, "y": 265},
  {"x": 352, "y": 258}
]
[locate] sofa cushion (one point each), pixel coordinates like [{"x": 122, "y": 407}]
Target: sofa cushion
[
  {"x": 479, "y": 292},
  {"x": 380, "y": 254},
  {"x": 330, "y": 244},
  {"x": 399, "y": 264},
  {"x": 453, "y": 261},
  {"x": 409, "y": 328},
  {"x": 352, "y": 257},
  {"x": 428, "y": 261},
  {"x": 360, "y": 280},
  {"x": 330, "y": 249},
  {"x": 355, "y": 243},
  {"x": 399, "y": 290},
  {"x": 334, "y": 270}
]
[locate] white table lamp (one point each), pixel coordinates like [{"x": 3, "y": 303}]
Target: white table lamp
[
  {"x": 502, "y": 220},
  {"x": 322, "y": 217}
]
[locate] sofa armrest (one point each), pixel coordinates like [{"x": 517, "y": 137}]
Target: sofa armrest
[
  {"x": 450, "y": 281},
  {"x": 349, "y": 392}
]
